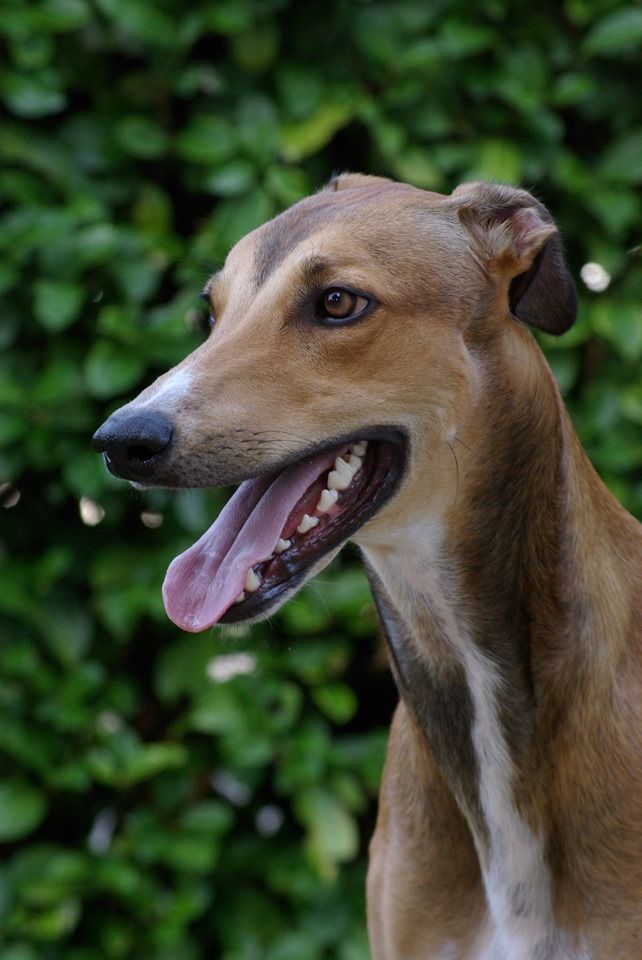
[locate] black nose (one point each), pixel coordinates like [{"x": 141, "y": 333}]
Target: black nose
[{"x": 133, "y": 443}]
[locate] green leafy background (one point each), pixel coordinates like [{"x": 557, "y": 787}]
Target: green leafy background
[{"x": 171, "y": 797}]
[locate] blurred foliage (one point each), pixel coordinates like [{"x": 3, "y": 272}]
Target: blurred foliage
[{"x": 174, "y": 797}]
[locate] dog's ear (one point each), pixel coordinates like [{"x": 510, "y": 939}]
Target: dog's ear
[{"x": 515, "y": 234}]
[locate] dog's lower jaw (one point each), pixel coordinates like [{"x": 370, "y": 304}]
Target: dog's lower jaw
[{"x": 267, "y": 610}]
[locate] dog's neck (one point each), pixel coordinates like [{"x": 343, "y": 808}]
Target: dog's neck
[{"x": 495, "y": 628}]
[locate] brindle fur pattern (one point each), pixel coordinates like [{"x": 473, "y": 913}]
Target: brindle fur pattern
[{"x": 507, "y": 577}]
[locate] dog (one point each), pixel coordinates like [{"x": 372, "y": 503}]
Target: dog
[{"x": 370, "y": 376}]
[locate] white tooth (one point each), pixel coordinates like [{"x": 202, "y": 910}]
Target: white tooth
[
  {"x": 354, "y": 462},
  {"x": 341, "y": 477},
  {"x": 282, "y": 545},
  {"x": 339, "y": 480},
  {"x": 360, "y": 448},
  {"x": 327, "y": 500},
  {"x": 307, "y": 523},
  {"x": 240, "y": 597},
  {"x": 252, "y": 581}
]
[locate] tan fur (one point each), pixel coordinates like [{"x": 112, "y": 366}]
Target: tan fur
[{"x": 501, "y": 548}]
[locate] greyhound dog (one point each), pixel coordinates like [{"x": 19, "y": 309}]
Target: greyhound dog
[{"x": 369, "y": 376}]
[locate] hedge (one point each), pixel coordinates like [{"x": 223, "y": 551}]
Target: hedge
[{"x": 172, "y": 797}]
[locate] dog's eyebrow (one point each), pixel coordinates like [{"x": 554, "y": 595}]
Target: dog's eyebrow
[
  {"x": 280, "y": 236},
  {"x": 313, "y": 269}
]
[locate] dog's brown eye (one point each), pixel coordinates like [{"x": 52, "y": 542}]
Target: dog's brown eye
[{"x": 339, "y": 304}]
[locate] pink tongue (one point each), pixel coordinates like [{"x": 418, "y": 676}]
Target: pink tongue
[{"x": 205, "y": 580}]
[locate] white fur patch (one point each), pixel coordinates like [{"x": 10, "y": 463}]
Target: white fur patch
[
  {"x": 164, "y": 393},
  {"x": 516, "y": 877}
]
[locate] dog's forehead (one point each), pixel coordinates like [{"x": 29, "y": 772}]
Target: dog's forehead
[{"x": 374, "y": 210}]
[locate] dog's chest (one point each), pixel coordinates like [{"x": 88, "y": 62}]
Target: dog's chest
[{"x": 459, "y": 710}]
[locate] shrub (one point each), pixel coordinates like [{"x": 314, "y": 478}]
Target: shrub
[{"x": 175, "y": 797}]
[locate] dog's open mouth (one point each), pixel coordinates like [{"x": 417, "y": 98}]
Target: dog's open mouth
[{"x": 276, "y": 527}]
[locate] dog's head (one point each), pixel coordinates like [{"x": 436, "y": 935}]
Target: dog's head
[{"x": 342, "y": 357}]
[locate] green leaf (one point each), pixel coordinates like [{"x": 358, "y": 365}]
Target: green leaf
[
  {"x": 207, "y": 139},
  {"x": 256, "y": 50},
  {"x": 299, "y": 140},
  {"x": 148, "y": 23},
  {"x": 138, "y": 279},
  {"x": 57, "y": 922},
  {"x": 621, "y": 324},
  {"x": 305, "y": 614},
  {"x": 20, "y": 951},
  {"x": 232, "y": 179},
  {"x": 497, "y": 159},
  {"x": 616, "y": 33},
  {"x": 237, "y": 216},
  {"x": 33, "y": 95},
  {"x": 122, "y": 760},
  {"x": 417, "y": 166},
  {"x": 300, "y": 89},
  {"x": 45, "y": 874},
  {"x": 332, "y": 835},
  {"x": 618, "y": 208},
  {"x": 207, "y": 817},
  {"x": 68, "y": 630},
  {"x": 8, "y": 277},
  {"x": 111, "y": 369},
  {"x": 57, "y": 304},
  {"x": 257, "y": 125},
  {"x": 152, "y": 212},
  {"x": 622, "y": 161},
  {"x": 337, "y": 701},
  {"x": 459, "y": 38},
  {"x": 181, "y": 667},
  {"x": 60, "y": 16},
  {"x": 22, "y": 809},
  {"x": 631, "y": 403},
  {"x": 141, "y": 137},
  {"x": 229, "y": 16},
  {"x": 287, "y": 184}
]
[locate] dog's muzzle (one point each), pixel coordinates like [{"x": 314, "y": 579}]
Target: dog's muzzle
[{"x": 134, "y": 444}]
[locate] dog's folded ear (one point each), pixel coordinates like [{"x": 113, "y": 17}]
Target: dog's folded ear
[{"x": 515, "y": 235}]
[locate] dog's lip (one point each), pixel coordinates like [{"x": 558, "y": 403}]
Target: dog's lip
[
  {"x": 167, "y": 474},
  {"x": 298, "y": 565},
  {"x": 391, "y": 434}
]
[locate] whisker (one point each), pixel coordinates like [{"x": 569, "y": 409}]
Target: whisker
[
  {"x": 465, "y": 445},
  {"x": 313, "y": 588},
  {"x": 456, "y": 469}
]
